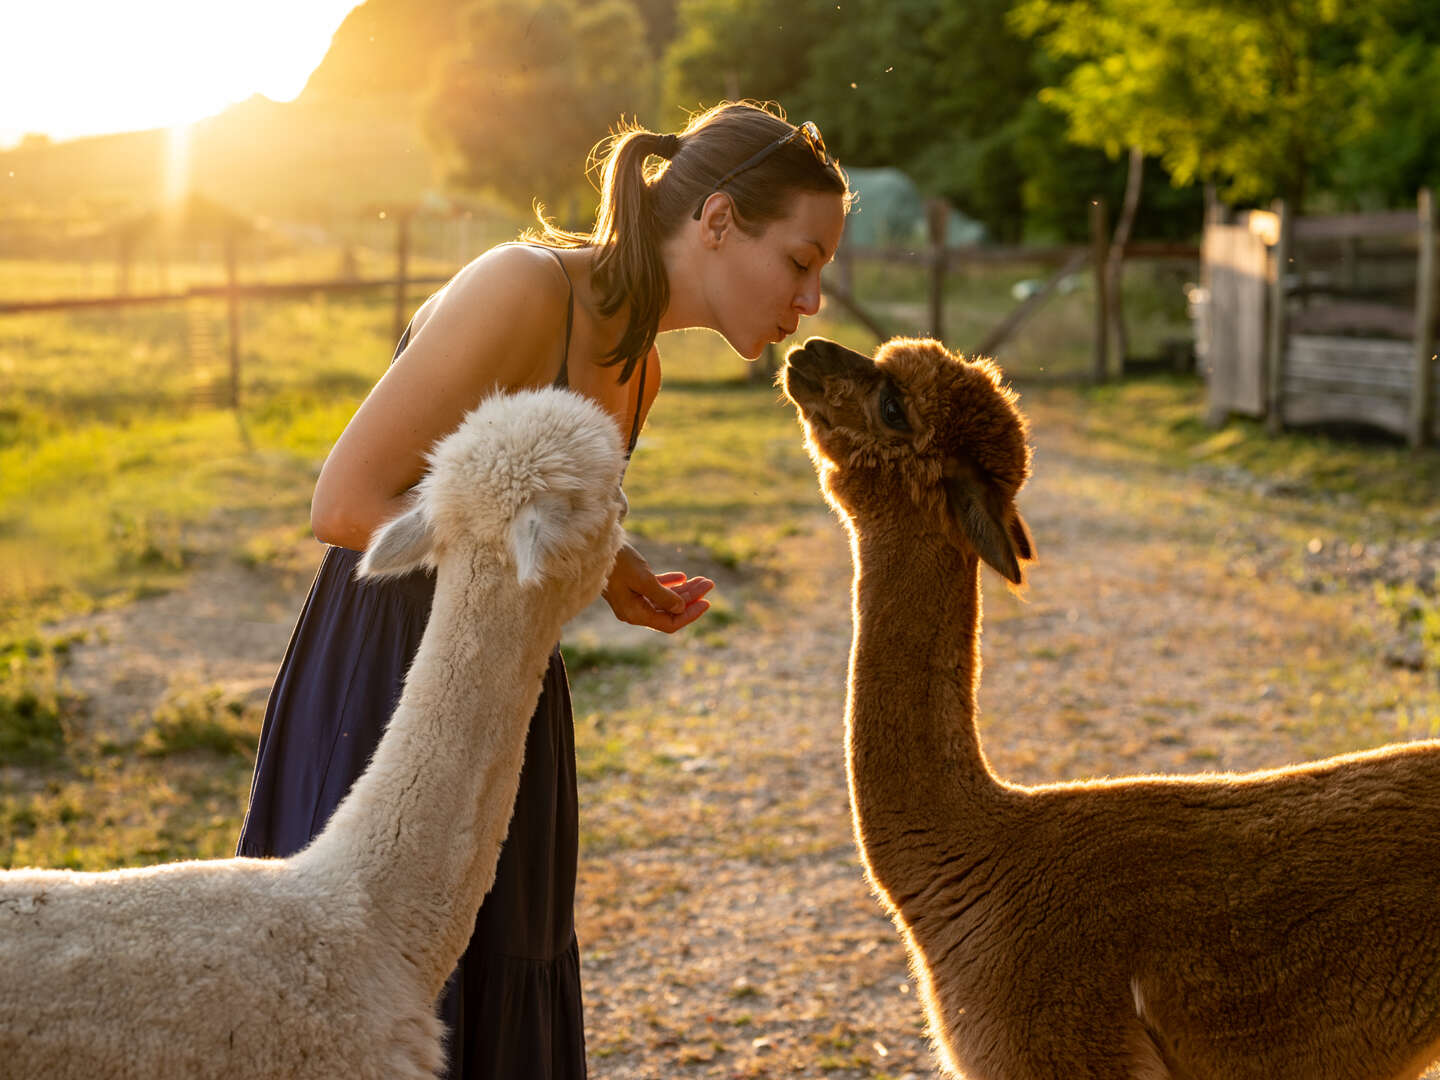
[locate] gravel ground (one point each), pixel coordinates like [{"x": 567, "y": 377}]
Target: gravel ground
[
  {"x": 1176, "y": 622},
  {"x": 725, "y": 923}
]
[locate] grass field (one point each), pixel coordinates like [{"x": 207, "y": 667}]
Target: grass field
[
  {"x": 117, "y": 478},
  {"x": 116, "y": 468}
]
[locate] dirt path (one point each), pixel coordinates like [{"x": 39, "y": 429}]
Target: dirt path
[
  {"x": 1171, "y": 625},
  {"x": 726, "y": 927}
]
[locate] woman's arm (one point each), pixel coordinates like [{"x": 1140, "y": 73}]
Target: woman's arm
[
  {"x": 499, "y": 324},
  {"x": 636, "y": 594}
]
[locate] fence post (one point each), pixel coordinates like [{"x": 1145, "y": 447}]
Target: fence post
[
  {"x": 845, "y": 268},
  {"x": 1100, "y": 258},
  {"x": 1275, "y": 343},
  {"x": 232, "y": 304},
  {"x": 125, "y": 259},
  {"x": 937, "y": 220},
  {"x": 1422, "y": 401},
  {"x": 764, "y": 369},
  {"x": 402, "y": 264}
]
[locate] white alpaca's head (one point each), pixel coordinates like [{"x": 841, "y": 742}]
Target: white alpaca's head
[{"x": 528, "y": 482}]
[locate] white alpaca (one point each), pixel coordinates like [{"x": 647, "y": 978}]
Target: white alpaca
[{"x": 329, "y": 963}]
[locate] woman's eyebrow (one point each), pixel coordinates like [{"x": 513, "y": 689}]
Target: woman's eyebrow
[{"x": 820, "y": 249}]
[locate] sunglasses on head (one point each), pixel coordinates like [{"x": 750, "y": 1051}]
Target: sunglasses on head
[{"x": 807, "y": 131}]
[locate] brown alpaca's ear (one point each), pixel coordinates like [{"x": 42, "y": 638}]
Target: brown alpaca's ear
[{"x": 989, "y": 521}]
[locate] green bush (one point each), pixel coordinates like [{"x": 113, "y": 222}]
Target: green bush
[
  {"x": 204, "y": 721},
  {"x": 34, "y": 708}
]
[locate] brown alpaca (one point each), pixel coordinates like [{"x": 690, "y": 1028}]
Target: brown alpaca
[{"x": 1275, "y": 925}]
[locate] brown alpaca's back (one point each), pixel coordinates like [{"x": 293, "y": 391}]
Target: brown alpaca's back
[{"x": 1271, "y": 926}]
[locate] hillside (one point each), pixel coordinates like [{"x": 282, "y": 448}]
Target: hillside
[
  {"x": 349, "y": 142},
  {"x": 384, "y": 48}
]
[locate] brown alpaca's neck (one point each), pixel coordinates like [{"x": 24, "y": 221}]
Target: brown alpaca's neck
[
  {"x": 419, "y": 834},
  {"x": 920, "y": 787}
]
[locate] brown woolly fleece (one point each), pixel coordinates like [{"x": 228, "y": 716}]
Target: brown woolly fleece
[{"x": 1278, "y": 925}]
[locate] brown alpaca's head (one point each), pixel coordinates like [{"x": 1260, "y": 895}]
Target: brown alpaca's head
[{"x": 916, "y": 439}]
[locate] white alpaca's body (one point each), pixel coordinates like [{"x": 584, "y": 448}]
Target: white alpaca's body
[
  {"x": 223, "y": 968},
  {"x": 329, "y": 963}
]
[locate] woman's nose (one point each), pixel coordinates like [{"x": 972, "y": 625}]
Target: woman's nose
[{"x": 807, "y": 301}]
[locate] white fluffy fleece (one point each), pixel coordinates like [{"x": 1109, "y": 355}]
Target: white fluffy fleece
[{"x": 329, "y": 963}]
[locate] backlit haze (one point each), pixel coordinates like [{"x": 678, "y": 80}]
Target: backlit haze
[{"x": 88, "y": 67}]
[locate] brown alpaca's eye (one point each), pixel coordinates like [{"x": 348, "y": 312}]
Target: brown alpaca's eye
[{"x": 893, "y": 413}]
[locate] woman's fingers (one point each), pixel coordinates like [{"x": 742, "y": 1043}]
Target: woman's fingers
[
  {"x": 687, "y": 588},
  {"x": 666, "y": 602}
]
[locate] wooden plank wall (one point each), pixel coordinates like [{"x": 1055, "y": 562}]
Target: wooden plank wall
[
  {"x": 1351, "y": 321},
  {"x": 1345, "y": 380},
  {"x": 1234, "y": 331}
]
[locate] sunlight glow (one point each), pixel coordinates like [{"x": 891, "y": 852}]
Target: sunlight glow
[
  {"x": 177, "y": 164},
  {"x": 79, "y": 67}
]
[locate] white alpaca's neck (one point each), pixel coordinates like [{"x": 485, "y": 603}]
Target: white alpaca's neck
[
  {"x": 419, "y": 834},
  {"x": 920, "y": 788}
]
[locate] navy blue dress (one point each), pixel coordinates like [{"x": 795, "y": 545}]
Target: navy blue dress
[{"x": 512, "y": 1005}]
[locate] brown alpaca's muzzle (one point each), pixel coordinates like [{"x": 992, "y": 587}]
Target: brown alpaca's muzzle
[
  {"x": 821, "y": 356},
  {"x": 808, "y": 366}
]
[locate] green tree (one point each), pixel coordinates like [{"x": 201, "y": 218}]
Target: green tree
[
  {"x": 1246, "y": 95},
  {"x": 1061, "y": 177},
  {"x": 659, "y": 17},
  {"x": 928, "y": 86},
  {"x": 944, "y": 91},
  {"x": 733, "y": 49},
  {"x": 1392, "y": 140},
  {"x": 533, "y": 87}
]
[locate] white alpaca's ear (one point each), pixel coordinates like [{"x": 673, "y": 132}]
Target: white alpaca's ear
[
  {"x": 989, "y": 521},
  {"x": 400, "y": 545},
  {"x": 535, "y": 533}
]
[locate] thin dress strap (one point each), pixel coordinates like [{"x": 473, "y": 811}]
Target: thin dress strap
[
  {"x": 639, "y": 405},
  {"x": 563, "y": 379}
]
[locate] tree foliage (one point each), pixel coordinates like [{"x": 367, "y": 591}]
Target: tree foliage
[
  {"x": 928, "y": 86},
  {"x": 1262, "y": 99},
  {"x": 944, "y": 91},
  {"x": 1391, "y": 144},
  {"x": 1017, "y": 111},
  {"x": 534, "y": 85}
]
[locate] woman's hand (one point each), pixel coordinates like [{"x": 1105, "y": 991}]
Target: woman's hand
[{"x": 666, "y": 602}]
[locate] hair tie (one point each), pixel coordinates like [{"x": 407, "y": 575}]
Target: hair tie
[{"x": 666, "y": 146}]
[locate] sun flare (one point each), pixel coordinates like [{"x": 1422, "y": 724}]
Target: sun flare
[{"x": 78, "y": 67}]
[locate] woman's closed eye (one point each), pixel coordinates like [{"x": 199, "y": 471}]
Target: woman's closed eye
[{"x": 802, "y": 267}]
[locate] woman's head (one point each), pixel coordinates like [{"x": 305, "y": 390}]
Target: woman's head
[{"x": 756, "y": 160}]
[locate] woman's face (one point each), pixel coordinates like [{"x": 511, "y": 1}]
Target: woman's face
[{"x": 762, "y": 285}]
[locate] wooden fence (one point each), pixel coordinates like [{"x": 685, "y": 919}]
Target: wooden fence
[
  {"x": 938, "y": 260},
  {"x": 1320, "y": 319},
  {"x": 234, "y": 291},
  {"x": 1062, "y": 261}
]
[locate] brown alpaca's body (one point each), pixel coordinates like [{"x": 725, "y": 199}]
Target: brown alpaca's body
[{"x": 1259, "y": 927}]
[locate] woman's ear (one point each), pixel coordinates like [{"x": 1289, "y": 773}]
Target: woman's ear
[{"x": 717, "y": 218}]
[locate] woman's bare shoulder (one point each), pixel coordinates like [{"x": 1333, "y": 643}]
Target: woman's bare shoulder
[{"x": 520, "y": 281}]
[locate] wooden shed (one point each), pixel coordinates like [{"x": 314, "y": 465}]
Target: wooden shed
[{"x": 1322, "y": 319}]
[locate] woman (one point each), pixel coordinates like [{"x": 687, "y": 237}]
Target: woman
[{"x": 730, "y": 233}]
